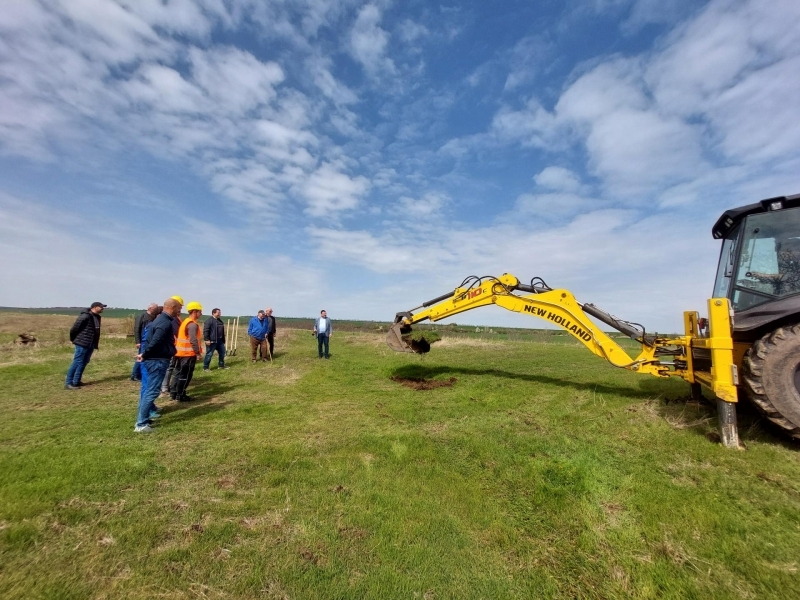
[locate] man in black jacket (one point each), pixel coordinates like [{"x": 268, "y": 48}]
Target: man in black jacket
[
  {"x": 142, "y": 321},
  {"x": 272, "y": 329},
  {"x": 155, "y": 356},
  {"x": 85, "y": 334},
  {"x": 214, "y": 335}
]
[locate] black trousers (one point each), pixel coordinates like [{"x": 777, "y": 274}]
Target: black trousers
[
  {"x": 182, "y": 377},
  {"x": 271, "y": 342},
  {"x": 165, "y": 385}
]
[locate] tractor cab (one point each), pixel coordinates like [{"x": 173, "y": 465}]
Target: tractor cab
[{"x": 759, "y": 266}]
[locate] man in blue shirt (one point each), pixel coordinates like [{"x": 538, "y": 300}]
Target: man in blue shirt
[
  {"x": 258, "y": 330},
  {"x": 155, "y": 357},
  {"x": 323, "y": 331}
]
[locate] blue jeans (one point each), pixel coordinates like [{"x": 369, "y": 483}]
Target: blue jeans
[
  {"x": 322, "y": 340},
  {"x": 137, "y": 372},
  {"x": 155, "y": 370},
  {"x": 79, "y": 362},
  {"x": 220, "y": 348},
  {"x": 144, "y": 380}
]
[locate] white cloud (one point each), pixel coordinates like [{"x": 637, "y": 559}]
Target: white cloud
[
  {"x": 411, "y": 31},
  {"x": 327, "y": 190},
  {"x": 429, "y": 205},
  {"x": 250, "y": 183},
  {"x": 554, "y": 206},
  {"x": 368, "y": 43},
  {"x": 526, "y": 58},
  {"x": 393, "y": 252},
  {"x": 644, "y": 12},
  {"x": 559, "y": 179},
  {"x": 531, "y": 126},
  {"x": 159, "y": 86},
  {"x": 756, "y": 119},
  {"x": 235, "y": 80},
  {"x": 339, "y": 93}
]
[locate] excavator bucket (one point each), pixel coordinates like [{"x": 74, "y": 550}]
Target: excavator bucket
[
  {"x": 394, "y": 339},
  {"x": 400, "y": 339}
]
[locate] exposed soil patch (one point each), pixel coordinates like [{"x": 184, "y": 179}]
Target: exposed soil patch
[
  {"x": 23, "y": 339},
  {"x": 423, "y": 384}
]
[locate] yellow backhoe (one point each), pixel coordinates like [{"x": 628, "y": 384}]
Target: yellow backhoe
[{"x": 749, "y": 342}]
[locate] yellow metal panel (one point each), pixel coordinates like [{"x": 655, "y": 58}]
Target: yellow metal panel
[
  {"x": 739, "y": 350},
  {"x": 724, "y": 372}
]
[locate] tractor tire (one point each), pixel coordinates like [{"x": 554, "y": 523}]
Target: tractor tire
[{"x": 771, "y": 374}]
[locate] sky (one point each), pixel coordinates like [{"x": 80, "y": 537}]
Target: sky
[{"x": 364, "y": 157}]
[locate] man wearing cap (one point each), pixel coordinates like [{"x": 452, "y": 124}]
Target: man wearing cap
[
  {"x": 142, "y": 321},
  {"x": 85, "y": 334},
  {"x": 176, "y": 323},
  {"x": 189, "y": 346},
  {"x": 258, "y": 329}
]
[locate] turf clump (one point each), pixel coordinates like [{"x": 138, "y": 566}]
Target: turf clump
[{"x": 420, "y": 341}]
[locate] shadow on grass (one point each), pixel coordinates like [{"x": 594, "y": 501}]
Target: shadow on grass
[
  {"x": 208, "y": 390},
  {"x": 425, "y": 372},
  {"x": 183, "y": 411},
  {"x": 110, "y": 379}
]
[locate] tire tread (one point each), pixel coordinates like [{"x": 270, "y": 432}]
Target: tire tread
[{"x": 753, "y": 367}]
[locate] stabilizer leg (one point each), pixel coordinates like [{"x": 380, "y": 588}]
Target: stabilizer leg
[{"x": 728, "y": 430}]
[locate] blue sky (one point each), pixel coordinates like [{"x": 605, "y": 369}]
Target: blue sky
[{"x": 365, "y": 156}]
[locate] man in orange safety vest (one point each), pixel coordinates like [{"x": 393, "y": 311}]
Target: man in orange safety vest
[{"x": 189, "y": 346}]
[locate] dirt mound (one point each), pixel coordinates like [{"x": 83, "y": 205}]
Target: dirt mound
[
  {"x": 23, "y": 339},
  {"x": 423, "y": 384}
]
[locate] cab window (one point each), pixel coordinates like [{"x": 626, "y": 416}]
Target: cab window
[{"x": 769, "y": 258}]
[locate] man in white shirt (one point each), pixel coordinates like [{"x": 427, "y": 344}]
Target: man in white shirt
[{"x": 323, "y": 331}]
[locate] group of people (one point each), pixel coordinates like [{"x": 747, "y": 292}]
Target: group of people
[{"x": 168, "y": 347}]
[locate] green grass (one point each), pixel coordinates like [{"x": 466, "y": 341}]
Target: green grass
[{"x": 541, "y": 473}]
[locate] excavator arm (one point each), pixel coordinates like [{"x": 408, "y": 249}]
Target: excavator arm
[{"x": 559, "y": 307}]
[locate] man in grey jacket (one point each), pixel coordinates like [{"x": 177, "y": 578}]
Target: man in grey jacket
[{"x": 323, "y": 331}]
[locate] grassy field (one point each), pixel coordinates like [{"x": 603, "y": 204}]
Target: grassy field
[{"x": 534, "y": 470}]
